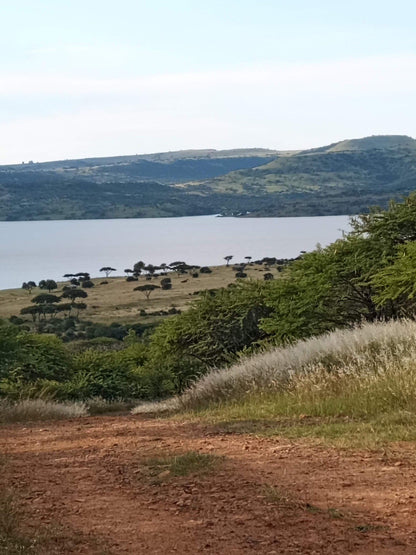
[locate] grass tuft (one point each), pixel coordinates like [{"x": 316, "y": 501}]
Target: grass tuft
[
  {"x": 38, "y": 409},
  {"x": 185, "y": 464}
]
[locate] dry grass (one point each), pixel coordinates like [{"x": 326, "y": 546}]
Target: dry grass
[
  {"x": 12, "y": 541},
  {"x": 157, "y": 407},
  {"x": 373, "y": 355},
  {"x": 117, "y": 302},
  {"x": 350, "y": 387},
  {"x": 37, "y": 409}
]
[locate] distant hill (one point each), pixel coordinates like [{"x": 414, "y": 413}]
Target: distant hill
[
  {"x": 345, "y": 177},
  {"x": 342, "y": 178}
]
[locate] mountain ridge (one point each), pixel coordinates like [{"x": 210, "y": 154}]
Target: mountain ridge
[{"x": 346, "y": 177}]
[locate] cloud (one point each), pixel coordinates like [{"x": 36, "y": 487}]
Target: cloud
[
  {"x": 278, "y": 105},
  {"x": 393, "y": 73}
]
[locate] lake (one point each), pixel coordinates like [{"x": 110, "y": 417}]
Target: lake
[{"x": 49, "y": 249}]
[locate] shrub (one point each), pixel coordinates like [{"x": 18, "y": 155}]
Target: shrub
[
  {"x": 26, "y": 357},
  {"x": 212, "y": 331}
]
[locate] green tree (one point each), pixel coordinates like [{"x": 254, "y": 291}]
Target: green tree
[
  {"x": 48, "y": 284},
  {"x": 146, "y": 289},
  {"x": 216, "y": 327},
  {"x": 28, "y": 286},
  {"x": 73, "y": 294}
]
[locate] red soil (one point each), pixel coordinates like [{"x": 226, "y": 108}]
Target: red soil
[{"x": 86, "y": 481}]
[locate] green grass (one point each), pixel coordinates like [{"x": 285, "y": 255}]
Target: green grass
[{"x": 184, "y": 464}]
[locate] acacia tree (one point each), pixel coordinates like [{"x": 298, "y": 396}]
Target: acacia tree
[
  {"x": 107, "y": 270},
  {"x": 146, "y": 289},
  {"x": 46, "y": 304},
  {"x": 228, "y": 258},
  {"x": 34, "y": 311},
  {"x": 73, "y": 294},
  {"x": 46, "y": 298}
]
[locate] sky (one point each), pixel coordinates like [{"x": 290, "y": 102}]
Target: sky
[{"x": 101, "y": 78}]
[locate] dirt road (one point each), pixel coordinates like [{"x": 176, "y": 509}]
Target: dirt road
[{"x": 87, "y": 481}]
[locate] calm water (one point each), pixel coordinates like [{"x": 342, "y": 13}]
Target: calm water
[{"x": 49, "y": 249}]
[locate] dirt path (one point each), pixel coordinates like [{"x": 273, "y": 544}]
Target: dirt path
[{"x": 87, "y": 480}]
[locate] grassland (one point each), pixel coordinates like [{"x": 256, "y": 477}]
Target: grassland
[
  {"x": 117, "y": 301},
  {"x": 349, "y": 388}
]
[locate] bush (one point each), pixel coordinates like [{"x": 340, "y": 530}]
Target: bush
[
  {"x": 211, "y": 332},
  {"x": 26, "y": 357}
]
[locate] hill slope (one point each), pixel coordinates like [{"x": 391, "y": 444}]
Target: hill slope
[
  {"x": 341, "y": 178},
  {"x": 346, "y": 177}
]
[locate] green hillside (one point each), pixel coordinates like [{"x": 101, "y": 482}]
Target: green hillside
[
  {"x": 345, "y": 177},
  {"x": 342, "y": 178}
]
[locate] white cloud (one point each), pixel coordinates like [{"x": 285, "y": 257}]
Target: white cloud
[{"x": 279, "y": 105}]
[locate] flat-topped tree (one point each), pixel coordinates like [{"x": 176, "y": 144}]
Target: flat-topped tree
[
  {"x": 228, "y": 258},
  {"x": 180, "y": 267},
  {"x": 78, "y": 307},
  {"x": 150, "y": 269},
  {"x": 48, "y": 284},
  {"x": 45, "y": 298},
  {"x": 107, "y": 270},
  {"x": 83, "y": 276},
  {"x": 146, "y": 289},
  {"x": 73, "y": 294},
  {"x": 32, "y": 310}
]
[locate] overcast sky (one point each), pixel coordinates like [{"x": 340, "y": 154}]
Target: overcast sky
[{"x": 98, "y": 78}]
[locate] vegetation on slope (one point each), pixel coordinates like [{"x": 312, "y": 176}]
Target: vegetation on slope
[
  {"x": 347, "y": 177},
  {"x": 368, "y": 276},
  {"x": 344, "y": 178}
]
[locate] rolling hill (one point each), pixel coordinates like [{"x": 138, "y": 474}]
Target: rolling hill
[{"x": 342, "y": 178}]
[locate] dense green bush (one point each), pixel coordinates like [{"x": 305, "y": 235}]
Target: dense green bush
[
  {"x": 26, "y": 357},
  {"x": 211, "y": 332}
]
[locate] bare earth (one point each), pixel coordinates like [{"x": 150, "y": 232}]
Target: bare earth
[{"x": 86, "y": 480}]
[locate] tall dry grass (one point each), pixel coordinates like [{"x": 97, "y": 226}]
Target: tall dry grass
[
  {"x": 39, "y": 409},
  {"x": 360, "y": 371}
]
